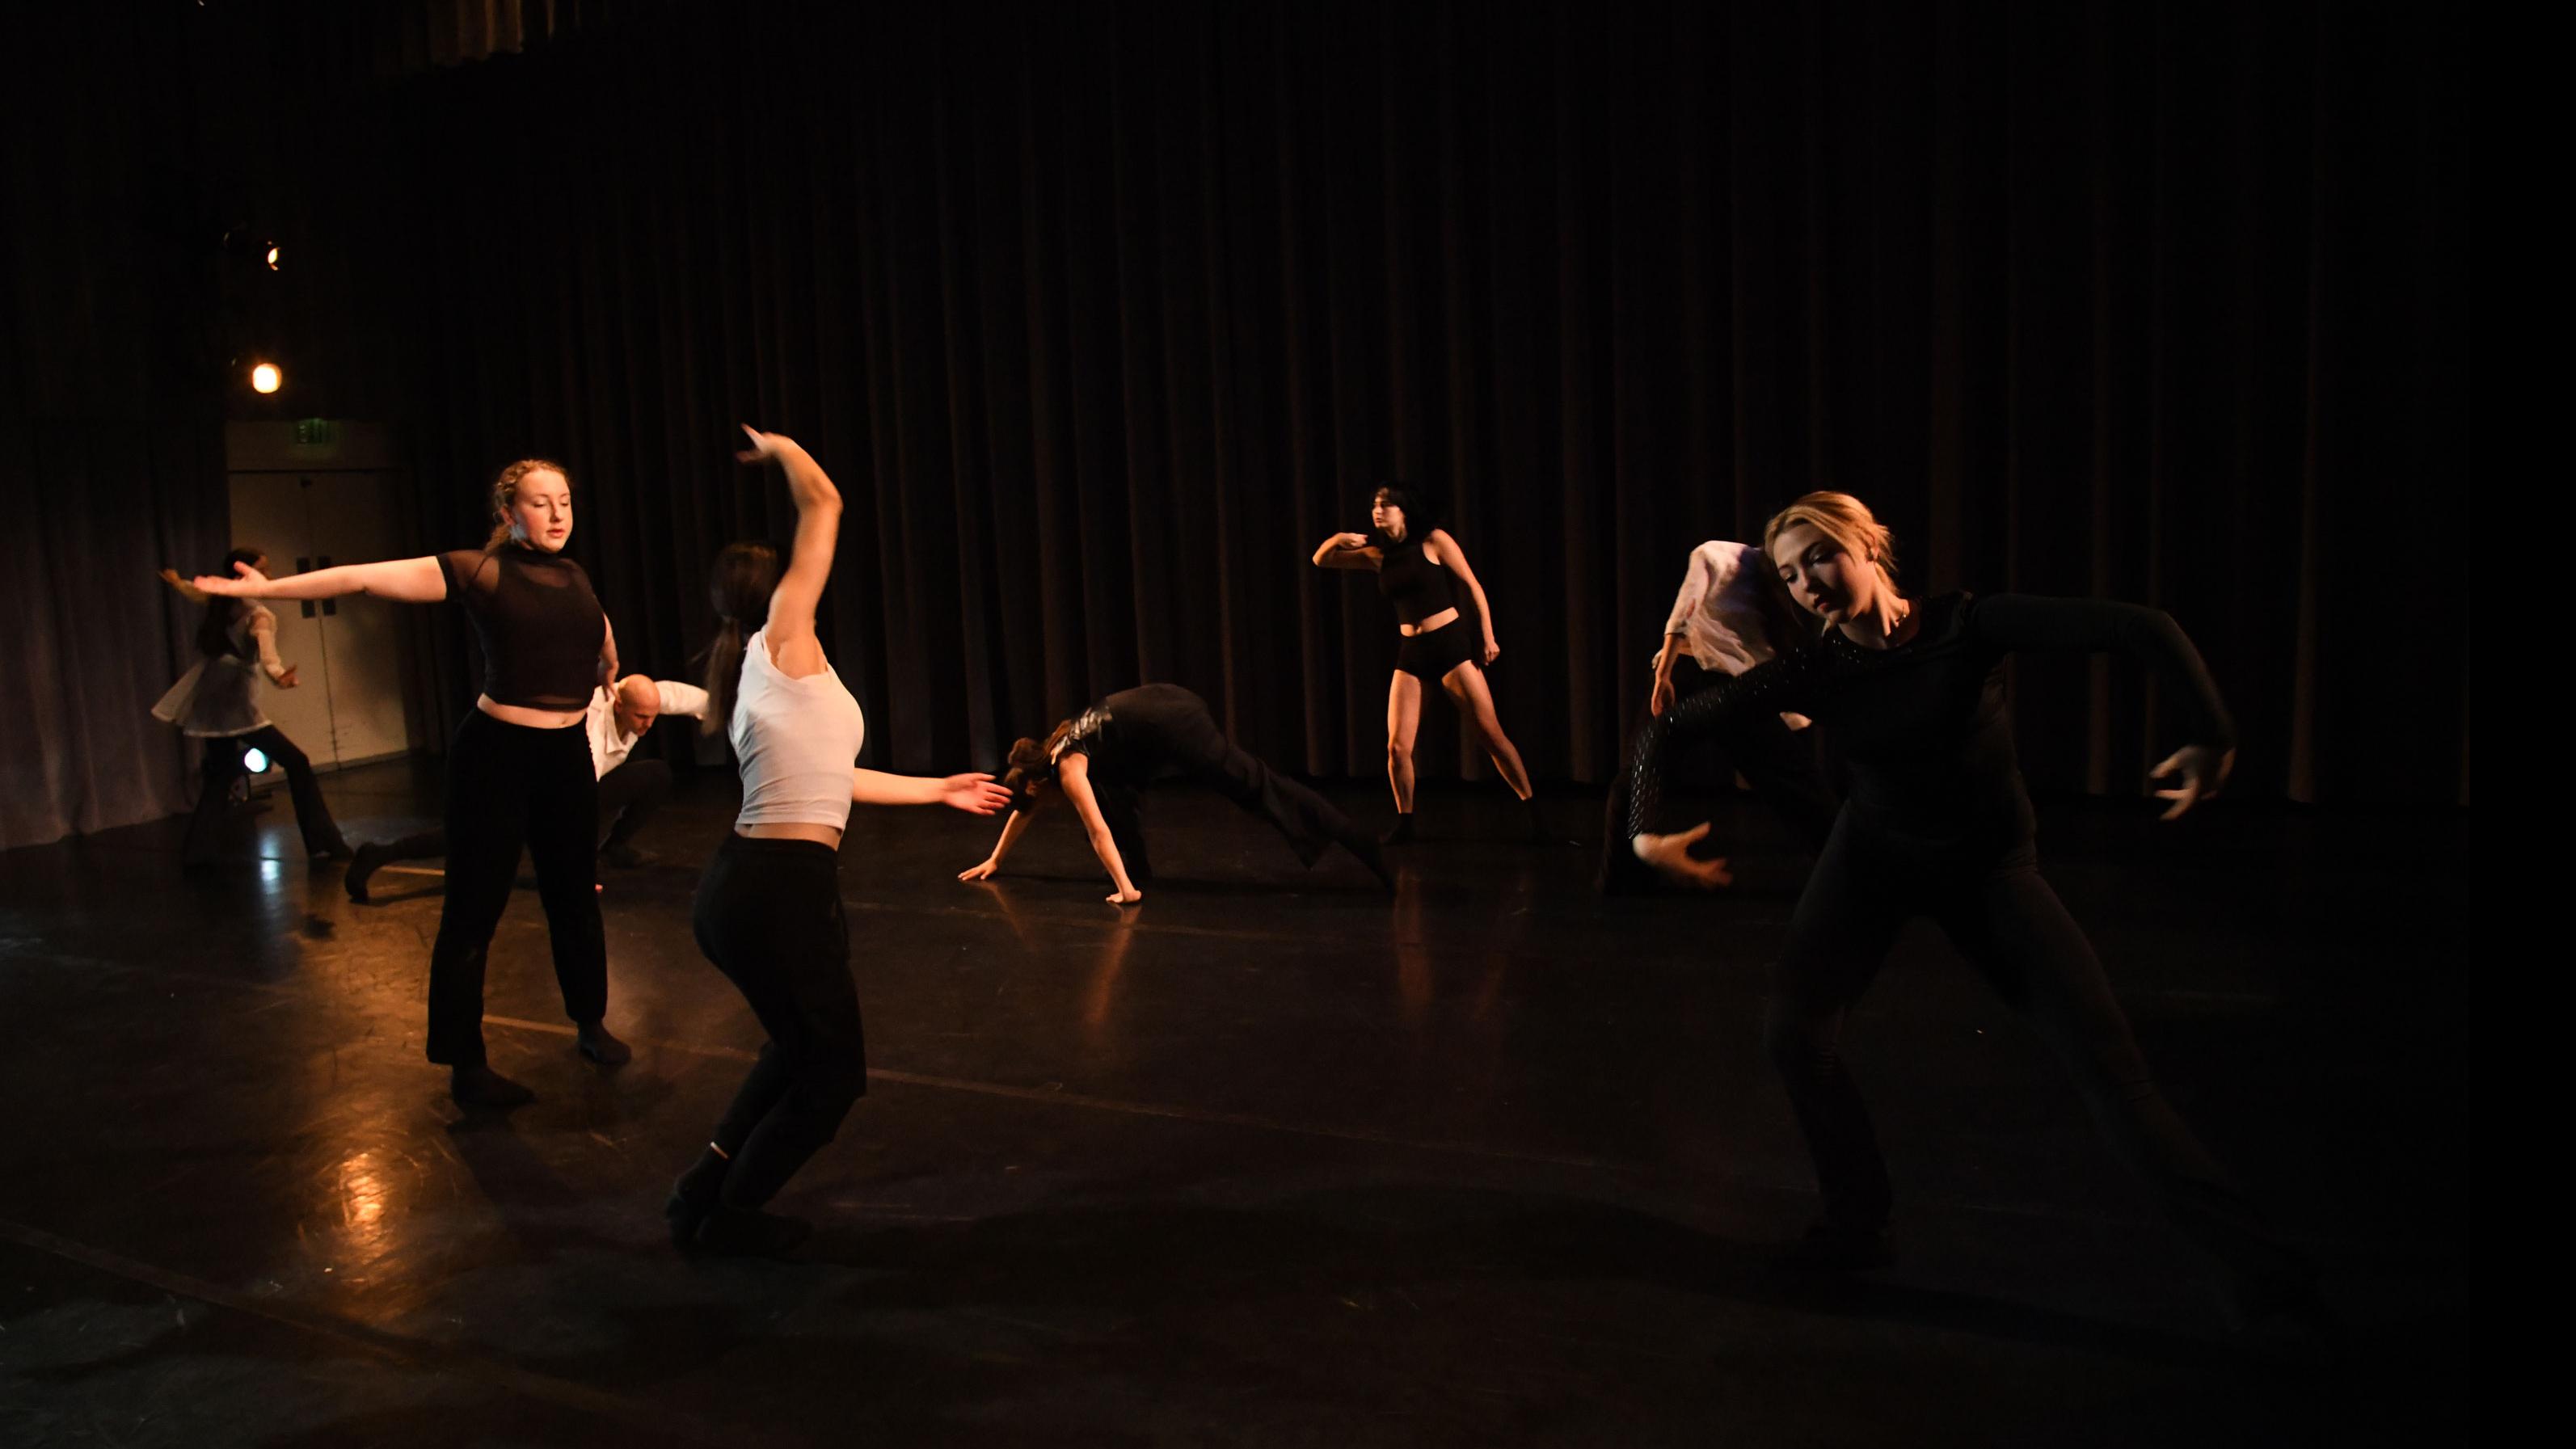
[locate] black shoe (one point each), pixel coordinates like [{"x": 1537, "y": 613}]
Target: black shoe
[
  {"x": 1402, "y": 834},
  {"x": 1831, "y": 1247},
  {"x": 363, "y": 862},
  {"x": 623, "y": 856},
  {"x": 592, "y": 1040},
  {"x": 335, "y": 848},
  {"x": 750, "y": 1233},
  {"x": 480, "y": 1086},
  {"x": 693, "y": 1197}
]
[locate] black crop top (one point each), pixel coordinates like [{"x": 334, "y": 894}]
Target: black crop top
[
  {"x": 1923, "y": 726},
  {"x": 540, "y": 626},
  {"x": 1416, "y": 586}
]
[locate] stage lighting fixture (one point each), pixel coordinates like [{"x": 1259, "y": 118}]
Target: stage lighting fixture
[
  {"x": 266, "y": 378},
  {"x": 272, "y": 256},
  {"x": 255, "y": 760}
]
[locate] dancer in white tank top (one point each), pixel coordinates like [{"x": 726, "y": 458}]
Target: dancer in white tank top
[{"x": 769, "y": 907}]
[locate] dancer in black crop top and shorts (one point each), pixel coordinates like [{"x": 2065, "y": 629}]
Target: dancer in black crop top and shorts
[
  {"x": 519, "y": 770},
  {"x": 769, "y": 906},
  {"x": 1419, "y": 570},
  {"x": 1937, "y": 824}
]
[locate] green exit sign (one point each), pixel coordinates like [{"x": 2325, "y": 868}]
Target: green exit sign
[{"x": 315, "y": 433}]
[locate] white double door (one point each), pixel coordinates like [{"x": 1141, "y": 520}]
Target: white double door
[{"x": 352, "y": 655}]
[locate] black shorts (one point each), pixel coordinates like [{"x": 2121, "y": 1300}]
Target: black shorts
[{"x": 1429, "y": 657}]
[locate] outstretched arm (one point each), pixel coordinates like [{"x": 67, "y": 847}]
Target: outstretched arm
[
  {"x": 1346, "y": 551},
  {"x": 974, "y": 794},
  {"x": 991, "y": 865},
  {"x": 818, "y": 533},
  {"x": 1454, "y": 559},
  {"x": 1766, "y": 687},
  {"x": 405, "y": 580},
  {"x": 187, "y": 590},
  {"x": 2007, "y": 622}
]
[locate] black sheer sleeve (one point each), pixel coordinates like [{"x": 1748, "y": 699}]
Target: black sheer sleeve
[
  {"x": 2006, "y": 622},
  {"x": 1773, "y": 687}
]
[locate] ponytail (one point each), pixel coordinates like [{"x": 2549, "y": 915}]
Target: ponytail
[
  {"x": 724, "y": 675},
  {"x": 738, "y": 588}
]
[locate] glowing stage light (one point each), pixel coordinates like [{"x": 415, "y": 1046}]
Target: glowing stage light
[
  {"x": 256, "y": 761},
  {"x": 272, "y": 256},
  {"x": 266, "y": 378}
]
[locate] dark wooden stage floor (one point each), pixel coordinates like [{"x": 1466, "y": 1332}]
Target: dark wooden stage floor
[{"x": 1271, "y": 1160}]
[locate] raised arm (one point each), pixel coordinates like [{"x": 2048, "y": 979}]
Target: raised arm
[
  {"x": 2006, "y": 622},
  {"x": 809, "y": 565},
  {"x": 404, "y": 580},
  {"x": 1454, "y": 558},
  {"x": 1346, "y": 551}
]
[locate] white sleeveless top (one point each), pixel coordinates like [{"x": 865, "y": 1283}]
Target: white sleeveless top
[{"x": 797, "y": 740}]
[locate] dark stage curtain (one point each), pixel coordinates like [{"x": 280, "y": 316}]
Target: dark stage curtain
[
  {"x": 1102, "y": 316},
  {"x": 111, "y": 443}
]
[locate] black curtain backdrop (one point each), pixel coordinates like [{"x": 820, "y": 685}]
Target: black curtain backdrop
[
  {"x": 1102, "y": 316},
  {"x": 111, "y": 439}
]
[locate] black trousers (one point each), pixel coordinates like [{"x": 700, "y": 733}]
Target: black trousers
[
  {"x": 1195, "y": 749},
  {"x": 769, "y": 916},
  {"x": 628, "y": 796},
  {"x": 511, "y": 788},
  {"x": 2011, "y": 926},
  {"x": 223, "y": 765},
  {"x": 1777, "y": 761}
]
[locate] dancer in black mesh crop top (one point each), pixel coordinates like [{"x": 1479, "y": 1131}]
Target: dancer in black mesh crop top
[
  {"x": 1419, "y": 569},
  {"x": 519, "y": 770},
  {"x": 1103, "y": 759},
  {"x": 1937, "y": 824}
]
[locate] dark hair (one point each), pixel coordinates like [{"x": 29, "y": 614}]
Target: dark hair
[
  {"x": 739, "y": 586},
  {"x": 1421, "y": 515},
  {"x": 1031, "y": 763},
  {"x": 505, "y": 491},
  {"x": 215, "y": 631}
]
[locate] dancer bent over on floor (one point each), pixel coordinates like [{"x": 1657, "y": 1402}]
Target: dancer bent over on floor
[
  {"x": 630, "y": 790},
  {"x": 518, "y": 771},
  {"x": 1420, "y": 569},
  {"x": 1103, "y": 759},
  {"x": 1938, "y": 824},
  {"x": 768, "y": 911},
  {"x": 217, "y": 701}
]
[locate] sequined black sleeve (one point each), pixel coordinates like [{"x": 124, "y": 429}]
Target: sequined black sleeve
[
  {"x": 2005, "y": 622},
  {"x": 1776, "y": 686}
]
